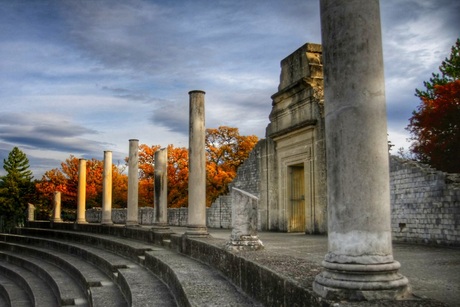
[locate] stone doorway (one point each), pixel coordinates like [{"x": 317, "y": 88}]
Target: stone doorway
[{"x": 297, "y": 219}]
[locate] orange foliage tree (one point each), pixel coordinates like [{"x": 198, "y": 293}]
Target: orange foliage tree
[
  {"x": 226, "y": 150},
  {"x": 65, "y": 180}
]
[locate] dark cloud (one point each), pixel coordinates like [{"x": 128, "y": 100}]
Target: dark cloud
[{"x": 45, "y": 132}]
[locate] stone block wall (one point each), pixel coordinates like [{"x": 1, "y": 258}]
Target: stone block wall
[
  {"x": 425, "y": 204},
  {"x": 177, "y": 216},
  {"x": 145, "y": 215},
  {"x": 219, "y": 215}
]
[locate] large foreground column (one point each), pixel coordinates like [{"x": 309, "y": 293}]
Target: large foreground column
[
  {"x": 81, "y": 192},
  {"x": 359, "y": 264},
  {"x": 161, "y": 187},
  {"x": 132, "y": 218},
  {"x": 107, "y": 189},
  {"x": 197, "y": 167},
  {"x": 57, "y": 207}
]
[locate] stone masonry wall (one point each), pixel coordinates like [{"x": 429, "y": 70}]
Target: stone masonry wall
[
  {"x": 425, "y": 204},
  {"x": 145, "y": 215}
]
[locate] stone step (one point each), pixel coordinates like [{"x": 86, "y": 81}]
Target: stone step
[
  {"x": 65, "y": 288},
  {"x": 101, "y": 290},
  {"x": 39, "y": 293},
  {"x": 12, "y": 294},
  {"x": 194, "y": 283},
  {"x": 138, "y": 285},
  {"x": 125, "y": 247}
]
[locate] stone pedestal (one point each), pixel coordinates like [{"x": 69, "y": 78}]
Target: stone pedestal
[
  {"x": 359, "y": 264},
  {"x": 244, "y": 222},
  {"x": 57, "y": 207},
  {"x": 107, "y": 189},
  {"x": 161, "y": 189},
  {"x": 197, "y": 167},
  {"x": 132, "y": 218},
  {"x": 81, "y": 193}
]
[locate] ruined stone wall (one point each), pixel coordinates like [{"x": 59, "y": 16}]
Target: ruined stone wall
[
  {"x": 425, "y": 204},
  {"x": 248, "y": 178},
  {"x": 177, "y": 216},
  {"x": 145, "y": 215},
  {"x": 219, "y": 215}
]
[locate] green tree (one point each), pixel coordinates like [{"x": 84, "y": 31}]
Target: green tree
[
  {"x": 435, "y": 125},
  {"x": 16, "y": 187}
]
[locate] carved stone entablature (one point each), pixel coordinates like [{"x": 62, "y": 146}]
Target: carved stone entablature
[{"x": 299, "y": 99}]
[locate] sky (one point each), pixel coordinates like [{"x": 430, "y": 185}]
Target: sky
[{"x": 79, "y": 77}]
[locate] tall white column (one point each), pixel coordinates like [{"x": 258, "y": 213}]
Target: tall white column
[
  {"x": 81, "y": 192},
  {"x": 107, "y": 189},
  {"x": 197, "y": 167},
  {"x": 132, "y": 218},
  {"x": 57, "y": 207},
  {"x": 359, "y": 264},
  {"x": 161, "y": 187}
]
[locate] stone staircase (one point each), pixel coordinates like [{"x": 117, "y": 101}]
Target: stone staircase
[{"x": 63, "y": 267}]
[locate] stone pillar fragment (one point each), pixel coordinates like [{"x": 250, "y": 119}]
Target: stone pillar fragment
[
  {"x": 132, "y": 218},
  {"x": 161, "y": 188},
  {"x": 81, "y": 193},
  {"x": 107, "y": 189},
  {"x": 57, "y": 207},
  {"x": 359, "y": 264},
  {"x": 30, "y": 212},
  {"x": 244, "y": 222},
  {"x": 197, "y": 167}
]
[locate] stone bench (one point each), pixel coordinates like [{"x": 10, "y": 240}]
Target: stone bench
[{"x": 139, "y": 286}]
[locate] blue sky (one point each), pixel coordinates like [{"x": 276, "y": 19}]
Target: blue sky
[{"x": 80, "y": 77}]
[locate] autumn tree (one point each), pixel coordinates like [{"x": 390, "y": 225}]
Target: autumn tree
[
  {"x": 65, "y": 180},
  {"x": 226, "y": 150},
  {"x": 15, "y": 187},
  {"x": 435, "y": 125}
]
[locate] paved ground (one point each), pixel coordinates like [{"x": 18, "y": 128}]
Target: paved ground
[{"x": 433, "y": 272}]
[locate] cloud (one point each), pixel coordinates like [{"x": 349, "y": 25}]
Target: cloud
[{"x": 47, "y": 132}]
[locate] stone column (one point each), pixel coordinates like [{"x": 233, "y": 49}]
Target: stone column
[
  {"x": 244, "y": 222},
  {"x": 359, "y": 264},
  {"x": 161, "y": 188},
  {"x": 30, "y": 212},
  {"x": 132, "y": 216},
  {"x": 107, "y": 189},
  {"x": 81, "y": 193},
  {"x": 57, "y": 207},
  {"x": 197, "y": 167}
]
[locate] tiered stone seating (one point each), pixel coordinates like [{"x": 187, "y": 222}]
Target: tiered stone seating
[{"x": 87, "y": 269}]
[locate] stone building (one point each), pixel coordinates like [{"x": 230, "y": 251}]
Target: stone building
[{"x": 287, "y": 169}]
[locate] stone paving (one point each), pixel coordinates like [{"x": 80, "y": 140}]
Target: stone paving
[{"x": 433, "y": 272}]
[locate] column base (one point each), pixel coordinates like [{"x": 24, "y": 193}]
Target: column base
[
  {"x": 160, "y": 227},
  {"x": 361, "y": 282},
  {"x": 196, "y": 231},
  {"x": 81, "y": 222},
  {"x": 132, "y": 224},
  {"x": 244, "y": 243},
  {"x": 106, "y": 223},
  {"x": 59, "y": 220}
]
